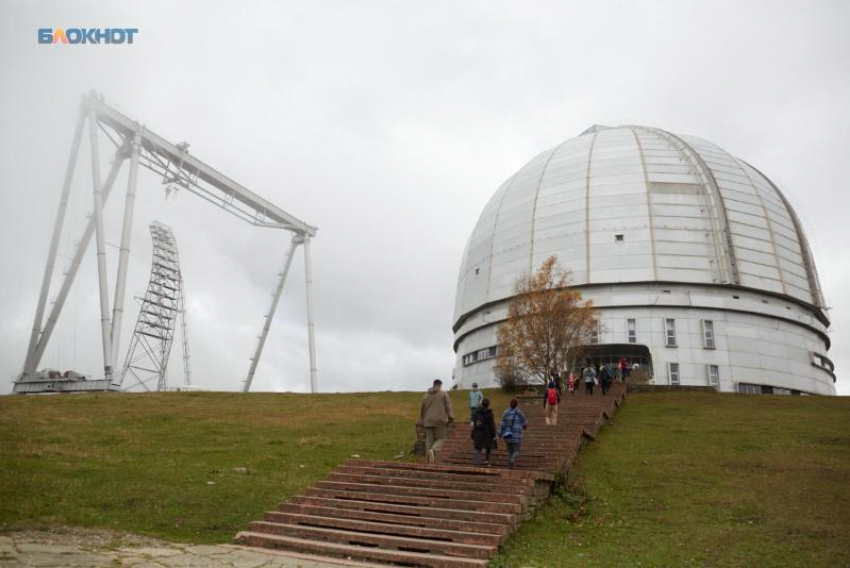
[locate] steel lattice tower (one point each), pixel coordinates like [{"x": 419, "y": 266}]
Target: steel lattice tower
[{"x": 162, "y": 304}]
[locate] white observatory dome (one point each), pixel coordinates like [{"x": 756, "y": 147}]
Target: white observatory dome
[{"x": 646, "y": 220}]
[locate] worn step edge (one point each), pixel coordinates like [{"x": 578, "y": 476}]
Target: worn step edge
[
  {"x": 495, "y": 529},
  {"x": 491, "y": 486},
  {"x": 418, "y": 491},
  {"x": 377, "y": 528},
  {"x": 508, "y": 519},
  {"x": 358, "y": 552},
  {"x": 439, "y": 468},
  {"x": 463, "y": 504},
  {"x": 356, "y": 538}
]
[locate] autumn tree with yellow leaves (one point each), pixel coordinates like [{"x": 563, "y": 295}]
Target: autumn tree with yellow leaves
[{"x": 548, "y": 326}]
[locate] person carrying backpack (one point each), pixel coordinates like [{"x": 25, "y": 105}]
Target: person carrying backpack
[
  {"x": 513, "y": 423},
  {"x": 551, "y": 399},
  {"x": 483, "y": 432},
  {"x": 606, "y": 376},
  {"x": 475, "y": 397},
  {"x": 589, "y": 380}
]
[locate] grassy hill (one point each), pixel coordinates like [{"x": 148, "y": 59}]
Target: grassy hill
[
  {"x": 699, "y": 479},
  {"x": 677, "y": 479},
  {"x": 169, "y": 464}
]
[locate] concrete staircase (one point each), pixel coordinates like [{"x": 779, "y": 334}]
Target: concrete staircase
[{"x": 447, "y": 515}]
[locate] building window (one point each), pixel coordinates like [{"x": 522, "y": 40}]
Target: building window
[
  {"x": 480, "y": 355},
  {"x": 594, "y": 335},
  {"x": 823, "y": 362},
  {"x": 708, "y": 334},
  {"x": 750, "y": 388},
  {"x": 670, "y": 326},
  {"x": 632, "y": 330},
  {"x": 619, "y": 238},
  {"x": 673, "y": 373},
  {"x": 713, "y": 375}
]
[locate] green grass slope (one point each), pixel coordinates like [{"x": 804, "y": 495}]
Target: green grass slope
[
  {"x": 163, "y": 464},
  {"x": 698, "y": 479},
  {"x": 677, "y": 479}
]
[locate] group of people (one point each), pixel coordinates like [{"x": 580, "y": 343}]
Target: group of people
[
  {"x": 435, "y": 416},
  {"x": 591, "y": 375}
]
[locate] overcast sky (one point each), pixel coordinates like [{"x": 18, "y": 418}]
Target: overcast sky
[{"x": 388, "y": 125}]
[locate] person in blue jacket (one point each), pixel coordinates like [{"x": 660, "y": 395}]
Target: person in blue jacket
[
  {"x": 513, "y": 424},
  {"x": 475, "y": 398}
]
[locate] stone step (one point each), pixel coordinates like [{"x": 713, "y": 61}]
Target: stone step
[
  {"x": 499, "y": 458},
  {"x": 487, "y": 487},
  {"x": 450, "y": 515},
  {"x": 459, "y": 471},
  {"x": 360, "y": 538},
  {"x": 392, "y": 529},
  {"x": 331, "y": 549},
  {"x": 467, "y": 504},
  {"x": 413, "y": 510},
  {"x": 535, "y": 441},
  {"x": 418, "y": 491},
  {"x": 502, "y": 462},
  {"x": 499, "y": 530},
  {"x": 425, "y": 474}
]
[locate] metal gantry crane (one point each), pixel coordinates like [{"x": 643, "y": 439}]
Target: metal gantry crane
[{"x": 175, "y": 166}]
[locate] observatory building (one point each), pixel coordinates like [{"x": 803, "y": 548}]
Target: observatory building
[{"x": 697, "y": 264}]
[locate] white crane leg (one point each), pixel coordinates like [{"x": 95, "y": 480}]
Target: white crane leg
[
  {"x": 124, "y": 254},
  {"x": 29, "y": 366},
  {"x": 100, "y": 242},
  {"x": 311, "y": 326},
  {"x": 296, "y": 240},
  {"x": 80, "y": 251}
]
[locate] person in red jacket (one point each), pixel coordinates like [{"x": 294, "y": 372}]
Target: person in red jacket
[
  {"x": 551, "y": 399},
  {"x": 622, "y": 370}
]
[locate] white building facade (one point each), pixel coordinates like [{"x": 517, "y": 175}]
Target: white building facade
[{"x": 698, "y": 265}]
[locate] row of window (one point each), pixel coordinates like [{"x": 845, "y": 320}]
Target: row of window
[
  {"x": 713, "y": 378},
  {"x": 706, "y": 327},
  {"x": 480, "y": 355},
  {"x": 749, "y": 388},
  {"x": 712, "y": 374}
]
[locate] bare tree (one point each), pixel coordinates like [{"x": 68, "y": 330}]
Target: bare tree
[{"x": 548, "y": 325}]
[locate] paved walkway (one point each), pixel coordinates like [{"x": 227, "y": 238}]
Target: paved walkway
[{"x": 79, "y": 547}]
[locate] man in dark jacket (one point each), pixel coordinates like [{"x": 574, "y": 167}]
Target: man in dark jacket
[
  {"x": 606, "y": 377},
  {"x": 484, "y": 432}
]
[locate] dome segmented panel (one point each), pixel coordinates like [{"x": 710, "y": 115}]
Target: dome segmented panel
[{"x": 637, "y": 204}]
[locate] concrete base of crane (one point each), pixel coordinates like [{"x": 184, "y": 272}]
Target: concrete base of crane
[{"x": 48, "y": 382}]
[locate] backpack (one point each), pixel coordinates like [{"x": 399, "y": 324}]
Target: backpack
[
  {"x": 508, "y": 433},
  {"x": 478, "y": 424},
  {"x": 552, "y": 398}
]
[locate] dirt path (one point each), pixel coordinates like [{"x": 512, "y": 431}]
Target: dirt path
[{"x": 73, "y": 547}]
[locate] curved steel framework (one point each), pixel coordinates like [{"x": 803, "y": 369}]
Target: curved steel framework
[
  {"x": 162, "y": 304},
  {"x": 176, "y": 167}
]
